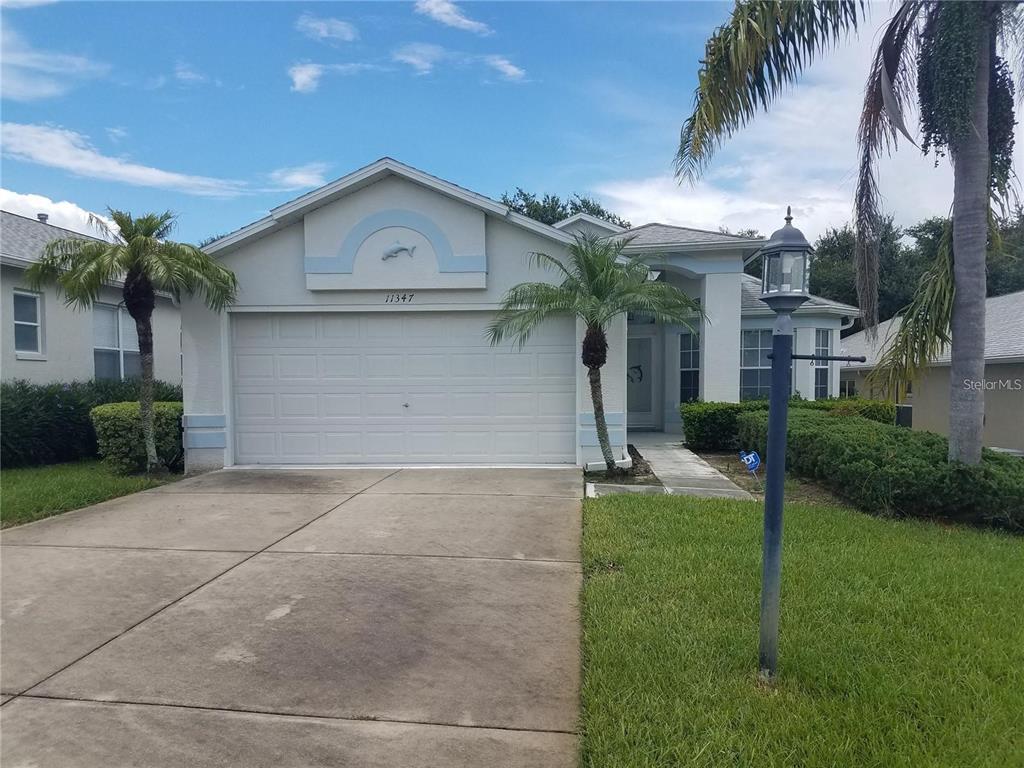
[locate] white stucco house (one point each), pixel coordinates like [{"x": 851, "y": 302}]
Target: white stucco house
[
  {"x": 44, "y": 340},
  {"x": 358, "y": 335}
]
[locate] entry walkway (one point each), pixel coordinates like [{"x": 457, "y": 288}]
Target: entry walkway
[{"x": 680, "y": 469}]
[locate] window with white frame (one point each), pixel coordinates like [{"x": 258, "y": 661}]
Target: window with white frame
[
  {"x": 28, "y": 322},
  {"x": 755, "y": 367},
  {"x": 822, "y": 368},
  {"x": 115, "y": 343},
  {"x": 689, "y": 367},
  {"x": 847, "y": 388}
]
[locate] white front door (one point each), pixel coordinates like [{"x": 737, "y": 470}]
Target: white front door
[
  {"x": 643, "y": 374},
  {"x": 400, "y": 388}
]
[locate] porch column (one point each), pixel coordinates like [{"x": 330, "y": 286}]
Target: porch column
[
  {"x": 803, "y": 370},
  {"x": 720, "y": 337}
]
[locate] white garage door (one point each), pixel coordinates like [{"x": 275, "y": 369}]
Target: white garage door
[{"x": 402, "y": 387}]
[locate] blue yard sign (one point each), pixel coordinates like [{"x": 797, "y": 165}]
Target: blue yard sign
[{"x": 751, "y": 461}]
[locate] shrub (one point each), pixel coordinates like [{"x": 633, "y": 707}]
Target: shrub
[
  {"x": 119, "y": 435},
  {"x": 890, "y": 470},
  {"x": 49, "y": 423},
  {"x": 712, "y": 426}
]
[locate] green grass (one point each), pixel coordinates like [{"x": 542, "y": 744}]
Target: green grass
[
  {"x": 32, "y": 493},
  {"x": 901, "y": 643}
]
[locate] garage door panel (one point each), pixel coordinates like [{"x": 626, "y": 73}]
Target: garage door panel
[{"x": 402, "y": 388}]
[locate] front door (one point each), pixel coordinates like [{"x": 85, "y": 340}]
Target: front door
[{"x": 642, "y": 391}]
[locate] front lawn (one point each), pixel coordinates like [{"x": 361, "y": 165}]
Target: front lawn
[
  {"x": 902, "y": 642},
  {"x": 32, "y": 493}
]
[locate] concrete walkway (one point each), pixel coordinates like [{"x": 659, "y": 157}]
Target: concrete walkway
[
  {"x": 681, "y": 470},
  {"x": 356, "y": 617}
]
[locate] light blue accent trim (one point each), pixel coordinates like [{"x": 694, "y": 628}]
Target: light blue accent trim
[
  {"x": 612, "y": 419},
  {"x": 397, "y": 217},
  {"x": 205, "y": 440},
  {"x": 588, "y": 437},
  {"x": 204, "y": 421}
]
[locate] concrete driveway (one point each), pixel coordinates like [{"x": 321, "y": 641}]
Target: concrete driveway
[{"x": 287, "y": 618}]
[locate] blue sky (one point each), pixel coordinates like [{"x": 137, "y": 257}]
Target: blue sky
[{"x": 220, "y": 111}]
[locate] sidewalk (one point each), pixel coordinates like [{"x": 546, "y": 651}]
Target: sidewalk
[{"x": 681, "y": 470}]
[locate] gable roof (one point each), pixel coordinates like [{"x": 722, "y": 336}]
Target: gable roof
[
  {"x": 22, "y": 239},
  {"x": 292, "y": 211},
  {"x": 666, "y": 235},
  {"x": 589, "y": 219},
  {"x": 1004, "y": 335},
  {"x": 751, "y": 304}
]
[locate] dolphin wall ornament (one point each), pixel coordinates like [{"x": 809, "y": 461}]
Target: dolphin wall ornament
[{"x": 396, "y": 248}]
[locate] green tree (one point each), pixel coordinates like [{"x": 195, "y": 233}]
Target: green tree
[
  {"x": 950, "y": 56},
  {"x": 140, "y": 254},
  {"x": 834, "y": 273},
  {"x": 597, "y": 285},
  {"x": 552, "y": 209}
]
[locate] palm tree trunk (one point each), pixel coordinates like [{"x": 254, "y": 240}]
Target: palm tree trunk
[
  {"x": 594, "y": 354},
  {"x": 144, "y": 327},
  {"x": 970, "y": 232},
  {"x": 597, "y": 397},
  {"x": 140, "y": 300}
]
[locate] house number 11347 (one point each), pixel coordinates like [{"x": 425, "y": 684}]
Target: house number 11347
[{"x": 398, "y": 298}]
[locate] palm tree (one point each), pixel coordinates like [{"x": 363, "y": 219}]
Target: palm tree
[
  {"x": 140, "y": 254},
  {"x": 598, "y": 284},
  {"x": 948, "y": 54}
]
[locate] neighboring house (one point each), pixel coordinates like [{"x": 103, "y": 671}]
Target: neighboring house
[
  {"x": 45, "y": 340},
  {"x": 929, "y": 394},
  {"x": 359, "y": 335}
]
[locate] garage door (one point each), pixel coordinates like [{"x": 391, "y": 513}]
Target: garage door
[{"x": 399, "y": 387}]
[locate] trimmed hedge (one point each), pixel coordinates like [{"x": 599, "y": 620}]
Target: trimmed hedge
[
  {"x": 49, "y": 423},
  {"x": 891, "y": 470},
  {"x": 119, "y": 435},
  {"x": 712, "y": 426}
]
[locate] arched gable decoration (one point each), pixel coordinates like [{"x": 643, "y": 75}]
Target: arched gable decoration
[{"x": 446, "y": 260}]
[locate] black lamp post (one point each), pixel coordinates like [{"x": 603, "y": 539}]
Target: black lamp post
[{"x": 786, "y": 264}]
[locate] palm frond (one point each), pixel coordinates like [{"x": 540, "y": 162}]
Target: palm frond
[
  {"x": 78, "y": 268},
  {"x": 747, "y": 62},
  {"x": 889, "y": 88}
]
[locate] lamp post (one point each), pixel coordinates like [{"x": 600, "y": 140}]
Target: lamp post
[{"x": 785, "y": 259}]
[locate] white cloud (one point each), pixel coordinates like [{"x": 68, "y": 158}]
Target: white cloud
[
  {"x": 70, "y": 151},
  {"x": 803, "y": 152},
  {"x": 422, "y": 57},
  {"x": 185, "y": 73},
  {"x": 61, "y": 214},
  {"x": 505, "y": 68},
  {"x": 306, "y": 75},
  {"x": 449, "y": 14},
  {"x": 116, "y": 133},
  {"x": 30, "y": 74},
  {"x": 326, "y": 29},
  {"x": 300, "y": 176}
]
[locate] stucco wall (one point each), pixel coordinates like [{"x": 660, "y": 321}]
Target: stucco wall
[
  {"x": 68, "y": 337},
  {"x": 1004, "y": 403}
]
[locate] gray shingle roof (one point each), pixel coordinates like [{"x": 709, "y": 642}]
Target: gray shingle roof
[
  {"x": 750, "y": 300},
  {"x": 665, "y": 234},
  {"x": 1004, "y": 334},
  {"x": 24, "y": 238}
]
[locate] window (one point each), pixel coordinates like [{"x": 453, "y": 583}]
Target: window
[
  {"x": 755, "y": 367},
  {"x": 689, "y": 367},
  {"x": 822, "y": 368},
  {"x": 847, "y": 388},
  {"x": 115, "y": 343},
  {"x": 28, "y": 323}
]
